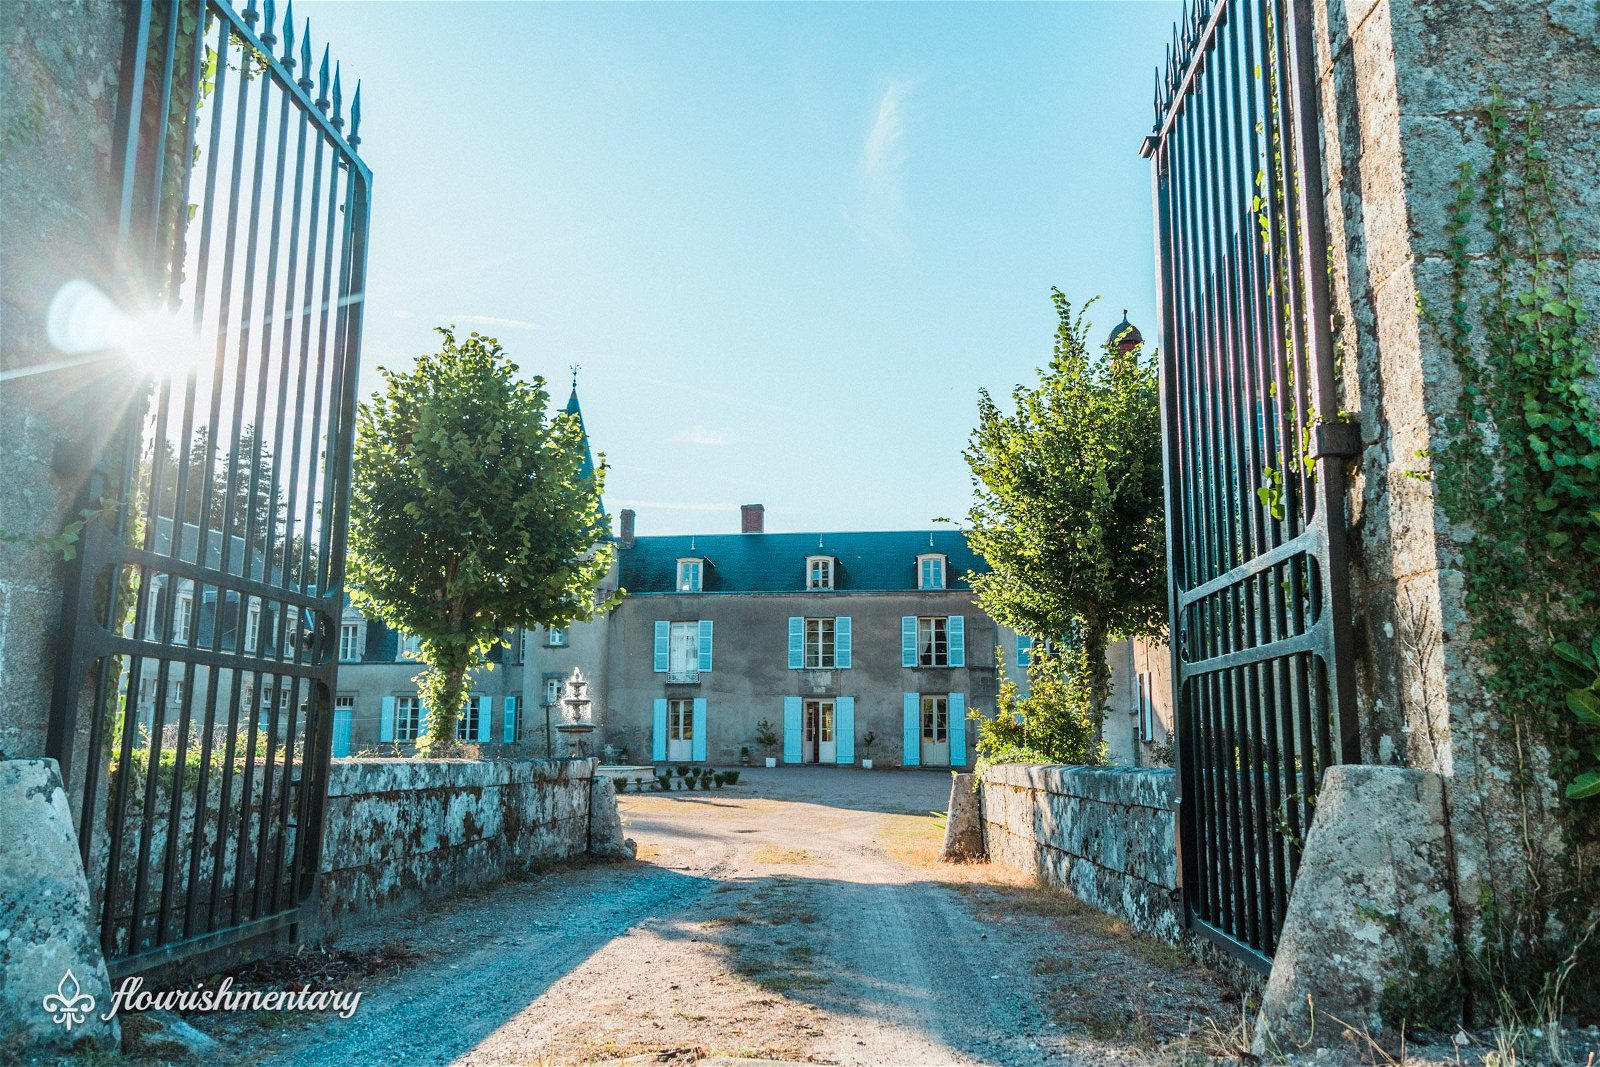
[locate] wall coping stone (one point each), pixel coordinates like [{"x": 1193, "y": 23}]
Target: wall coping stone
[
  {"x": 1147, "y": 787},
  {"x": 359, "y": 777}
]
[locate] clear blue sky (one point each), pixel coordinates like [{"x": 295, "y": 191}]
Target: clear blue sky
[{"x": 787, "y": 243}]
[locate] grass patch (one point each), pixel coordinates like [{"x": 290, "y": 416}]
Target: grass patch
[
  {"x": 1159, "y": 953},
  {"x": 774, "y": 854},
  {"x": 915, "y": 840},
  {"x": 728, "y": 920}
]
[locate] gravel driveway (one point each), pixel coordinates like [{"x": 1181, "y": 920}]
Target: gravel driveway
[{"x": 802, "y": 916}]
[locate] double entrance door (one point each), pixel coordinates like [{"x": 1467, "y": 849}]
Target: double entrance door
[{"x": 817, "y": 737}]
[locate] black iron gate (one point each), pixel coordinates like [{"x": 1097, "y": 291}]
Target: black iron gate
[
  {"x": 192, "y": 711},
  {"x": 1259, "y": 607}
]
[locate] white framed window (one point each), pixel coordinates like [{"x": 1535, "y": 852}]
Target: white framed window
[
  {"x": 252, "y": 627},
  {"x": 819, "y": 572},
  {"x": 407, "y": 718},
  {"x": 345, "y": 704},
  {"x": 680, "y": 719},
  {"x": 684, "y": 646},
  {"x": 935, "y": 718},
  {"x": 691, "y": 575},
  {"x": 349, "y": 642},
  {"x": 410, "y": 647},
  {"x": 467, "y": 722},
  {"x": 556, "y": 637},
  {"x": 820, "y": 644},
  {"x": 930, "y": 570},
  {"x": 933, "y": 641},
  {"x": 175, "y": 695},
  {"x": 182, "y": 616},
  {"x": 552, "y": 690}
]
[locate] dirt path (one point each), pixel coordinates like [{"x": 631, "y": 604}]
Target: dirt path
[{"x": 803, "y": 916}]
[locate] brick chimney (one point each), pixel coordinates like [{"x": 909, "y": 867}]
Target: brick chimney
[
  {"x": 625, "y": 533},
  {"x": 752, "y": 518}
]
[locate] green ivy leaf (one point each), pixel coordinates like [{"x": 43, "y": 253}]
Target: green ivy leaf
[
  {"x": 1585, "y": 786},
  {"x": 1585, "y": 704}
]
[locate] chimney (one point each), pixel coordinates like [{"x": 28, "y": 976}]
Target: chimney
[
  {"x": 626, "y": 534},
  {"x": 752, "y": 518}
]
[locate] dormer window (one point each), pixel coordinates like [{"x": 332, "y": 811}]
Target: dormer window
[
  {"x": 691, "y": 575},
  {"x": 819, "y": 572},
  {"x": 930, "y": 571}
]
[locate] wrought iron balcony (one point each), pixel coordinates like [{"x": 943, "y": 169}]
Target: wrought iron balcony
[{"x": 684, "y": 676}]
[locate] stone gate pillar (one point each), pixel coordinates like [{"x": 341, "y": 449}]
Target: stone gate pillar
[{"x": 1405, "y": 88}]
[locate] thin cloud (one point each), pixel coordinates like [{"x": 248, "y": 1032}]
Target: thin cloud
[
  {"x": 881, "y": 207},
  {"x": 492, "y": 320},
  {"x": 702, "y": 435}
]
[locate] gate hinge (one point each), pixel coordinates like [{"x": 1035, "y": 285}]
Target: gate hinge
[{"x": 1335, "y": 439}]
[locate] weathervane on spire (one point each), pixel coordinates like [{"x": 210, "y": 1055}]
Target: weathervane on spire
[{"x": 574, "y": 377}]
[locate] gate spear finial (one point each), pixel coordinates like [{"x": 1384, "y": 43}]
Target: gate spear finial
[
  {"x": 355, "y": 117},
  {"x": 305, "y": 82}
]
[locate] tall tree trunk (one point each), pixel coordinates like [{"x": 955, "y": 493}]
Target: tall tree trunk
[
  {"x": 443, "y": 688},
  {"x": 1094, "y": 651}
]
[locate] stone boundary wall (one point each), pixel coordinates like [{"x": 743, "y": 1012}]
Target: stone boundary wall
[
  {"x": 1108, "y": 834},
  {"x": 401, "y": 831}
]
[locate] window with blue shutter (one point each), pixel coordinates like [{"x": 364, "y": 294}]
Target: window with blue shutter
[
  {"x": 958, "y": 729},
  {"x": 705, "y": 648},
  {"x": 662, "y": 653},
  {"x": 697, "y": 750},
  {"x": 911, "y": 754},
  {"x": 485, "y": 719},
  {"x": 1024, "y": 650},
  {"x": 797, "y": 642},
  {"x": 908, "y": 641},
  {"x": 956, "y": 627},
  {"x": 386, "y": 720},
  {"x": 510, "y": 732},
  {"x": 841, "y": 643},
  {"x": 791, "y": 729},
  {"x": 844, "y": 731},
  {"x": 658, "y": 730}
]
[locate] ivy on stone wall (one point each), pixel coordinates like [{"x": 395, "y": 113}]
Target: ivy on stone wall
[{"x": 1519, "y": 473}]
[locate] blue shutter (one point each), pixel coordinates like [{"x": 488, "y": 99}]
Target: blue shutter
[
  {"x": 956, "y": 630},
  {"x": 485, "y": 719},
  {"x": 844, "y": 731},
  {"x": 658, "y": 731},
  {"x": 841, "y": 642},
  {"x": 958, "y": 729},
  {"x": 697, "y": 749},
  {"x": 510, "y": 734},
  {"x": 1024, "y": 647},
  {"x": 705, "y": 647},
  {"x": 908, "y": 640},
  {"x": 912, "y": 756},
  {"x": 791, "y": 730},
  {"x": 663, "y": 660},
  {"x": 386, "y": 720},
  {"x": 341, "y": 731},
  {"x": 797, "y": 642},
  {"x": 422, "y": 718}
]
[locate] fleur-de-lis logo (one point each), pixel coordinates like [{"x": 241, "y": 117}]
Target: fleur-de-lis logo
[{"x": 69, "y": 1004}]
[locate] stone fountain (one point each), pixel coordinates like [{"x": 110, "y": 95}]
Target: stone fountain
[{"x": 577, "y": 721}]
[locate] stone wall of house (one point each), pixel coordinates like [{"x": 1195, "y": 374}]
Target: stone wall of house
[
  {"x": 59, "y": 61},
  {"x": 402, "y": 831},
  {"x": 1404, "y": 85},
  {"x": 1108, "y": 834}
]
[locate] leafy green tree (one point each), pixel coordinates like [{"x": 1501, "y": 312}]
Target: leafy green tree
[
  {"x": 470, "y": 515},
  {"x": 1052, "y": 724},
  {"x": 1068, "y": 509}
]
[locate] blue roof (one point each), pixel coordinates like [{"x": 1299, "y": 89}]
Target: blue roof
[{"x": 878, "y": 561}]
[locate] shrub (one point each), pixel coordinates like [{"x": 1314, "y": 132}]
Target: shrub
[
  {"x": 1053, "y": 724},
  {"x": 732, "y": 777}
]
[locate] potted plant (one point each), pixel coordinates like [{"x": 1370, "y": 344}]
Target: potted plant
[
  {"x": 744, "y": 756},
  {"x": 731, "y": 776},
  {"x": 866, "y": 750},
  {"x": 767, "y": 738}
]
